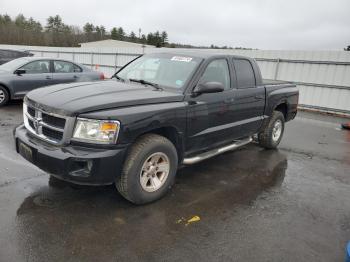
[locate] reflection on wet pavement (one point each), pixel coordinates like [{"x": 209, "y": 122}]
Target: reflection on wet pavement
[{"x": 216, "y": 189}]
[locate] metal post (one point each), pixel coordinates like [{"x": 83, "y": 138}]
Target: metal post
[
  {"x": 115, "y": 62},
  {"x": 73, "y": 56},
  {"x": 92, "y": 60},
  {"x": 277, "y": 67}
]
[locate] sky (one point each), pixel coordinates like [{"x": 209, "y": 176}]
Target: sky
[{"x": 262, "y": 24}]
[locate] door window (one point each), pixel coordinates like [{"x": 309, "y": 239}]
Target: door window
[
  {"x": 217, "y": 71},
  {"x": 65, "y": 67},
  {"x": 245, "y": 73},
  {"x": 37, "y": 67}
]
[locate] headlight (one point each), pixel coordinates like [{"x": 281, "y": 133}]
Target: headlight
[{"x": 96, "y": 131}]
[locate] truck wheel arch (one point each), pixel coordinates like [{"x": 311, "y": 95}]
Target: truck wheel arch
[
  {"x": 282, "y": 106},
  {"x": 171, "y": 133}
]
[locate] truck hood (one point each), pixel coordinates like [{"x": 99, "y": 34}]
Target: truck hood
[
  {"x": 77, "y": 98},
  {"x": 4, "y": 72}
]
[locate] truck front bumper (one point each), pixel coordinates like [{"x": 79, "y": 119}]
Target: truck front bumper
[{"x": 76, "y": 164}]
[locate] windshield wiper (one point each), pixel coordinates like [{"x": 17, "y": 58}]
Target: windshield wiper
[
  {"x": 119, "y": 78},
  {"x": 145, "y": 82}
]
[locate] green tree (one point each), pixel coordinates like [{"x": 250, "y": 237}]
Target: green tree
[
  {"x": 150, "y": 39},
  {"x": 102, "y": 32},
  {"x": 54, "y": 24},
  {"x": 157, "y": 39},
  {"x": 34, "y": 25},
  {"x": 88, "y": 31},
  {"x": 121, "y": 33},
  {"x": 57, "y": 32},
  {"x": 164, "y": 38},
  {"x": 143, "y": 39},
  {"x": 5, "y": 19},
  {"x": 88, "y": 28},
  {"x": 28, "y": 31},
  {"x": 21, "y": 21},
  {"x": 132, "y": 37},
  {"x": 114, "y": 33}
]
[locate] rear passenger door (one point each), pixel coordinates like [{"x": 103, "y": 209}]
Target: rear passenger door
[
  {"x": 65, "y": 72},
  {"x": 248, "y": 104}
]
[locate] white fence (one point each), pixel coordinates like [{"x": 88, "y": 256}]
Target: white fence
[{"x": 323, "y": 77}]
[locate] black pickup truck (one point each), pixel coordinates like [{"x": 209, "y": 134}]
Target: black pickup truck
[{"x": 157, "y": 113}]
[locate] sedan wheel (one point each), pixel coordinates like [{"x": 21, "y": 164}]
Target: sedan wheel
[{"x": 4, "y": 96}]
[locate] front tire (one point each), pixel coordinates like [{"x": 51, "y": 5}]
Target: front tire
[
  {"x": 149, "y": 169},
  {"x": 272, "y": 132},
  {"x": 4, "y": 96}
]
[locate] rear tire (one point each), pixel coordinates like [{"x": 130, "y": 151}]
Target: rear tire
[
  {"x": 4, "y": 96},
  {"x": 272, "y": 132},
  {"x": 149, "y": 169}
]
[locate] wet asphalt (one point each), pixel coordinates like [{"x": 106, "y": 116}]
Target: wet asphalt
[{"x": 291, "y": 204}]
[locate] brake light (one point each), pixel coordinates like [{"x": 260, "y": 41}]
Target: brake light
[{"x": 102, "y": 76}]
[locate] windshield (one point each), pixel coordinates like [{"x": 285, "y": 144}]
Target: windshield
[
  {"x": 161, "y": 69},
  {"x": 13, "y": 64}
]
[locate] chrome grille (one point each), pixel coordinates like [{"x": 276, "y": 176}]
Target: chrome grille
[
  {"x": 31, "y": 111},
  {"x": 47, "y": 126},
  {"x": 54, "y": 121}
]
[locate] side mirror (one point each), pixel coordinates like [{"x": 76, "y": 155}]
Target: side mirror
[
  {"x": 20, "y": 72},
  {"x": 209, "y": 87}
]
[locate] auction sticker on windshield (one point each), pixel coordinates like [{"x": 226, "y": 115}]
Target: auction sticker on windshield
[{"x": 181, "y": 58}]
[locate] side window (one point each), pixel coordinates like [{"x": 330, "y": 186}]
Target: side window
[
  {"x": 217, "y": 71},
  {"x": 245, "y": 73},
  {"x": 77, "y": 68},
  {"x": 65, "y": 67},
  {"x": 37, "y": 67}
]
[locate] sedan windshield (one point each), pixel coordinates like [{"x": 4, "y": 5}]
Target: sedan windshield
[
  {"x": 160, "y": 69},
  {"x": 13, "y": 64}
]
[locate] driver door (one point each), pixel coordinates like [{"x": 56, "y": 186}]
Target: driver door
[
  {"x": 209, "y": 114},
  {"x": 37, "y": 74}
]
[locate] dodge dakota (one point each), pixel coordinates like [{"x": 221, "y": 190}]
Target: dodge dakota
[{"x": 157, "y": 113}]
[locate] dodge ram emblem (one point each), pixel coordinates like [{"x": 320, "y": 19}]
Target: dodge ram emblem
[{"x": 36, "y": 123}]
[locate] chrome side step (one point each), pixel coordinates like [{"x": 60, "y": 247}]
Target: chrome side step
[{"x": 217, "y": 151}]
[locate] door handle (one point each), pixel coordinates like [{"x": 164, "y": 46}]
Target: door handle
[
  {"x": 48, "y": 77},
  {"x": 259, "y": 97},
  {"x": 75, "y": 77}
]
